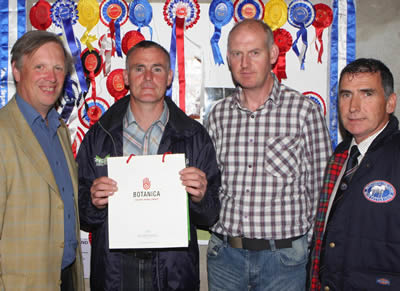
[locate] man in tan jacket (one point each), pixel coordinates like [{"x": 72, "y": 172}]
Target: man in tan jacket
[{"x": 39, "y": 224}]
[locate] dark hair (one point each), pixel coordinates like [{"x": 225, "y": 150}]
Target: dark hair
[
  {"x": 269, "y": 35},
  {"x": 33, "y": 40},
  {"x": 144, "y": 44},
  {"x": 364, "y": 65}
]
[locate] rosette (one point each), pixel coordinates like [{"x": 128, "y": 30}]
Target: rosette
[
  {"x": 283, "y": 40},
  {"x": 189, "y": 10},
  {"x": 91, "y": 111},
  {"x": 88, "y": 12},
  {"x": 221, "y": 13},
  {"x": 92, "y": 64},
  {"x": 180, "y": 14},
  {"x": 107, "y": 49},
  {"x": 275, "y": 13},
  {"x": 130, "y": 39},
  {"x": 116, "y": 85},
  {"x": 323, "y": 18},
  {"x": 245, "y": 9},
  {"x": 64, "y": 15},
  {"x": 114, "y": 13},
  {"x": 39, "y": 15},
  {"x": 301, "y": 15},
  {"x": 140, "y": 14},
  {"x": 314, "y": 96}
]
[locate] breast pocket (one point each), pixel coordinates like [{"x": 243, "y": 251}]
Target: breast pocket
[{"x": 282, "y": 156}]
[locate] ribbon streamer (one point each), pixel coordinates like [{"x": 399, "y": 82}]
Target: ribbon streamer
[
  {"x": 221, "y": 13},
  {"x": 343, "y": 51},
  {"x": 63, "y": 14},
  {"x": 301, "y": 15},
  {"x": 323, "y": 19}
]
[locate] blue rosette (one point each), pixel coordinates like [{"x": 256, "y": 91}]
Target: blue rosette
[
  {"x": 140, "y": 14},
  {"x": 245, "y": 9},
  {"x": 64, "y": 14},
  {"x": 114, "y": 13},
  {"x": 301, "y": 14},
  {"x": 221, "y": 13}
]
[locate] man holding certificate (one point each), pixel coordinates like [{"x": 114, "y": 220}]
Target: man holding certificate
[{"x": 146, "y": 123}]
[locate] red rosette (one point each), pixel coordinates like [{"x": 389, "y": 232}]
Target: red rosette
[
  {"x": 116, "y": 85},
  {"x": 39, "y": 15},
  {"x": 283, "y": 40},
  {"x": 130, "y": 39},
  {"x": 323, "y": 16},
  {"x": 91, "y": 61},
  {"x": 323, "y": 19}
]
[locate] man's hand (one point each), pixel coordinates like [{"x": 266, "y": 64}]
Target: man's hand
[
  {"x": 101, "y": 189},
  {"x": 195, "y": 182}
]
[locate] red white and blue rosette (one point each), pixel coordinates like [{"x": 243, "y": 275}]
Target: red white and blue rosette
[
  {"x": 64, "y": 14},
  {"x": 301, "y": 15},
  {"x": 187, "y": 9},
  {"x": 91, "y": 111},
  {"x": 248, "y": 9},
  {"x": 180, "y": 14},
  {"x": 114, "y": 13},
  {"x": 140, "y": 14},
  {"x": 221, "y": 13},
  {"x": 314, "y": 96}
]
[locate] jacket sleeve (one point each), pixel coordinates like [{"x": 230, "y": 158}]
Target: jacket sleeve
[
  {"x": 206, "y": 212},
  {"x": 90, "y": 216}
]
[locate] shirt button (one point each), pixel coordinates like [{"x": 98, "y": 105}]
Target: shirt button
[
  {"x": 251, "y": 140},
  {"x": 326, "y": 288},
  {"x": 332, "y": 245},
  {"x": 250, "y": 166},
  {"x": 60, "y": 207},
  {"x": 62, "y": 245},
  {"x": 247, "y": 190},
  {"x": 252, "y": 116},
  {"x": 59, "y": 282}
]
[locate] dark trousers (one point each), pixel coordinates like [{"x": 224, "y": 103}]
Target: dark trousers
[{"x": 66, "y": 279}]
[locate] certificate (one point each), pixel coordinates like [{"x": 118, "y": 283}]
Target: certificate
[{"x": 150, "y": 208}]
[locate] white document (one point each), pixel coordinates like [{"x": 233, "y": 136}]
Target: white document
[{"x": 150, "y": 208}]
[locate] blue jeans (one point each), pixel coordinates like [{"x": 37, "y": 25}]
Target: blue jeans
[{"x": 232, "y": 269}]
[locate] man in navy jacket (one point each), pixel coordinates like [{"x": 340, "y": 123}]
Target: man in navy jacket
[
  {"x": 143, "y": 123},
  {"x": 357, "y": 238}
]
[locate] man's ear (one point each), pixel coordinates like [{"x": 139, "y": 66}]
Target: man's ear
[
  {"x": 391, "y": 103},
  {"x": 273, "y": 54},
  {"x": 170, "y": 76},
  {"x": 16, "y": 73},
  {"x": 126, "y": 77}
]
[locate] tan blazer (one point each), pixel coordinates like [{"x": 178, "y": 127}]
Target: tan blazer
[{"x": 31, "y": 208}]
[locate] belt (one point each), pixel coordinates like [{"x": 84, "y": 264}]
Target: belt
[{"x": 254, "y": 244}]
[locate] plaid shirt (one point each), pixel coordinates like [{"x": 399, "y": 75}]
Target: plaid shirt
[
  {"x": 333, "y": 170},
  {"x": 272, "y": 163},
  {"x": 138, "y": 142}
]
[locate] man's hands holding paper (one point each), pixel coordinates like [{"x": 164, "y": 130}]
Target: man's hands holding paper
[{"x": 193, "y": 179}]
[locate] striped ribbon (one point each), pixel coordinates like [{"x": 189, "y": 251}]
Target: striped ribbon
[
  {"x": 12, "y": 27},
  {"x": 343, "y": 51}
]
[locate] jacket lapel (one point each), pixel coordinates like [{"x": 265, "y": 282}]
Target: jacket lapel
[{"x": 28, "y": 143}]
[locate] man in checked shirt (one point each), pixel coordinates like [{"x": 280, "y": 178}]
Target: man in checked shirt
[{"x": 272, "y": 147}]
